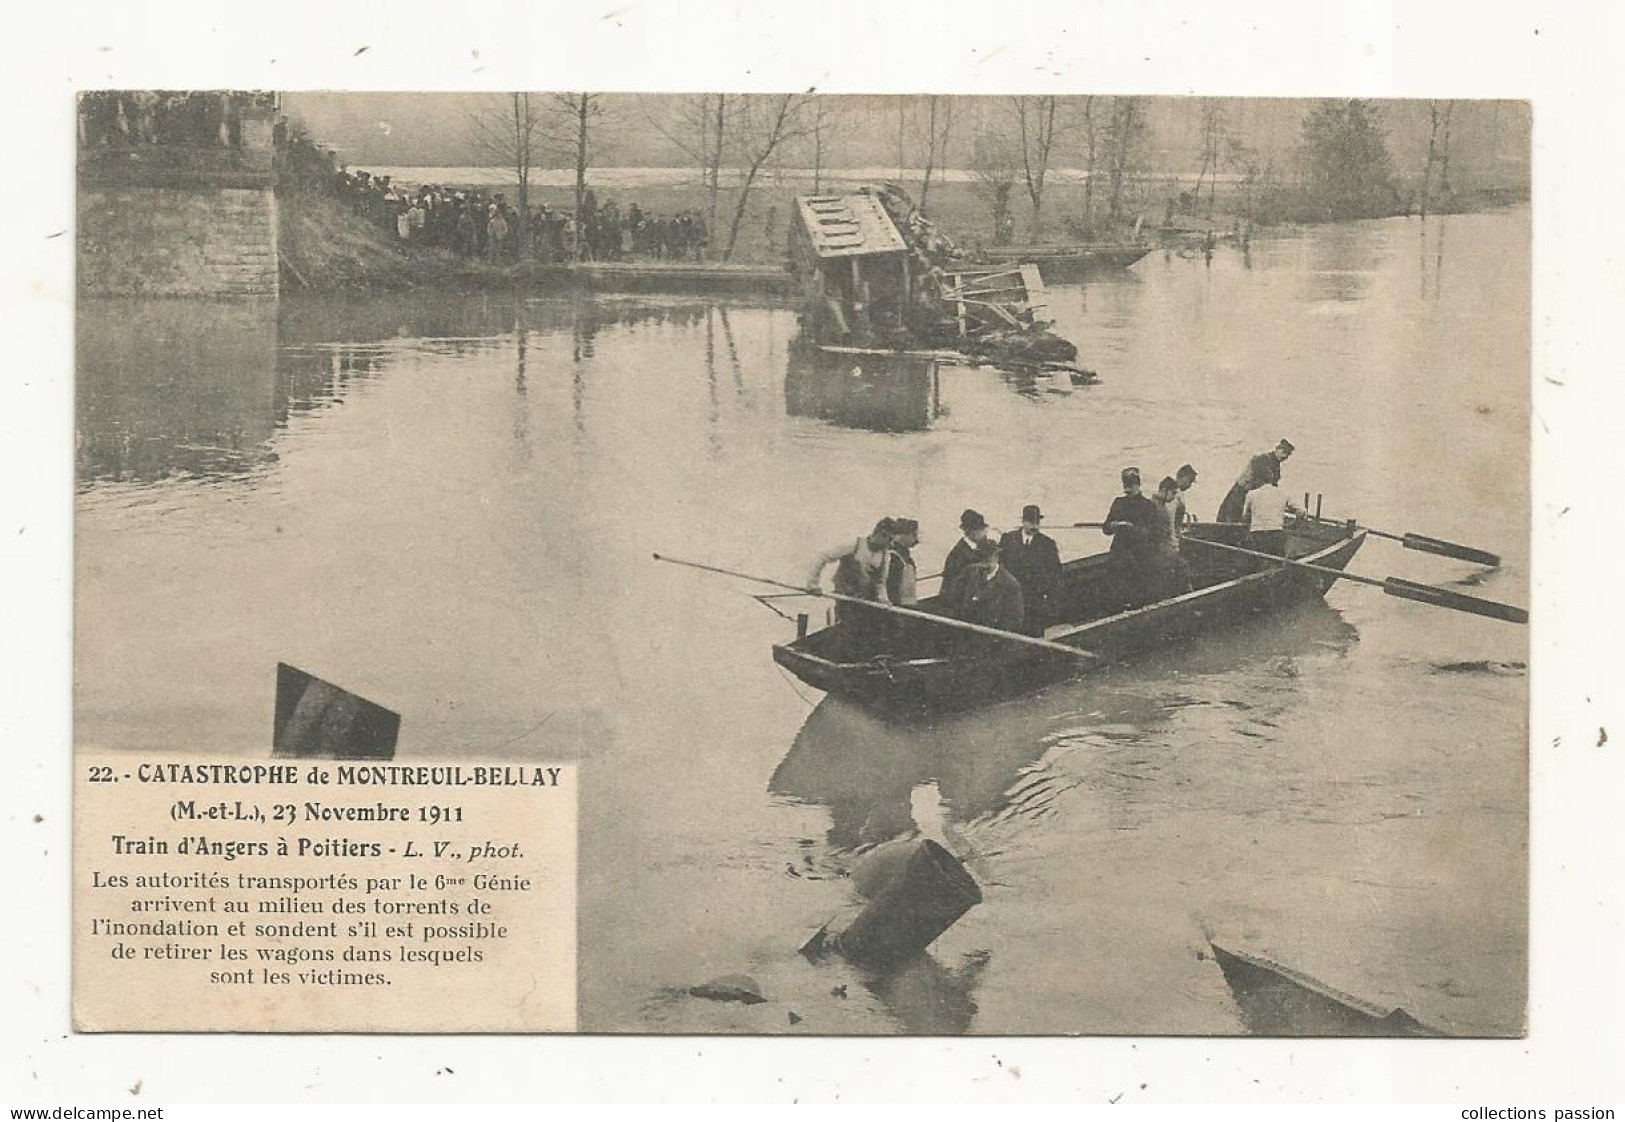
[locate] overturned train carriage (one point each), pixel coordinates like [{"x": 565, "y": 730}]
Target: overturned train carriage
[{"x": 863, "y": 280}]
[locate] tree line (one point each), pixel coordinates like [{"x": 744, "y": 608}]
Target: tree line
[{"x": 1341, "y": 166}]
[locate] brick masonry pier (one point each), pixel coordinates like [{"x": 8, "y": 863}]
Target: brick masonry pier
[{"x": 177, "y": 194}]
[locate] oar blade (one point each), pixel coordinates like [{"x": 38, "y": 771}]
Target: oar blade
[
  {"x": 1457, "y": 601},
  {"x": 1425, "y": 544}
]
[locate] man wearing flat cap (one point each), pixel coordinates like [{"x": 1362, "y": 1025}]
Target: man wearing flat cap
[
  {"x": 1185, "y": 477},
  {"x": 1032, "y": 557},
  {"x": 860, "y": 572},
  {"x": 1261, "y": 469},
  {"x": 988, "y": 594},
  {"x": 973, "y": 532}
]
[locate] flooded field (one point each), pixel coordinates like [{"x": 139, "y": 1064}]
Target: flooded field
[{"x": 449, "y": 504}]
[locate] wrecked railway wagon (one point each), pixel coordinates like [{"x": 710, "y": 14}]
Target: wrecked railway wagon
[{"x": 875, "y": 273}]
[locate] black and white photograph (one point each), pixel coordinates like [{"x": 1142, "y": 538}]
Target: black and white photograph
[{"x": 1028, "y": 564}]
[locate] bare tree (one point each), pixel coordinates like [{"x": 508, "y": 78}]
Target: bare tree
[
  {"x": 825, "y": 119},
  {"x": 511, "y": 131},
  {"x": 1035, "y": 126},
  {"x": 820, "y": 121},
  {"x": 994, "y": 164},
  {"x": 1213, "y": 132},
  {"x": 902, "y": 132},
  {"x": 1439, "y": 114},
  {"x": 1123, "y": 135},
  {"x": 939, "y": 123},
  {"x": 702, "y": 130},
  {"x": 1091, "y": 148},
  {"x": 1252, "y": 166},
  {"x": 767, "y": 123},
  {"x": 576, "y": 115}
]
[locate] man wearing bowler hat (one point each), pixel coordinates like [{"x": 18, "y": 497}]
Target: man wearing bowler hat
[
  {"x": 988, "y": 594},
  {"x": 1032, "y": 557},
  {"x": 973, "y": 532}
]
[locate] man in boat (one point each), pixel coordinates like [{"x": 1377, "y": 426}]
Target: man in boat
[
  {"x": 1171, "y": 575},
  {"x": 989, "y": 595},
  {"x": 901, "y": 572},
  {"x": 1185, "y": 477},
  {"x": 973, "y": 532},
  {"x": 860, "y": 568},
  {"x": 1265, "y": 514},
  {"x": 1261, "y": 469},
  {"x": 1131, "y": 523},
  {"x": 1032, "y": 557}
]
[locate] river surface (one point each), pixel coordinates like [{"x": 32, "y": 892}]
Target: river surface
[{"x": 449, "y": 504}]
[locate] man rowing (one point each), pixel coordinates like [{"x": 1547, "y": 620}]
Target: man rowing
[
  {"x": 1261, "y": 469},
  {"x": 1031, "y": 556}
]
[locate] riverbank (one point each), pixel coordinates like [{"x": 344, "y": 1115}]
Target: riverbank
[{"x": 325, "y": 248}]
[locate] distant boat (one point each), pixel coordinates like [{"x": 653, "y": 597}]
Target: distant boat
[{"x": 1062, "y": 264}]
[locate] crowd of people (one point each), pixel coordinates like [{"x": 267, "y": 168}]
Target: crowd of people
[
  {"x": 175, "y": 118},
  {"x": 1012, "y": 582},
  {"x": 483, "y": 224}
]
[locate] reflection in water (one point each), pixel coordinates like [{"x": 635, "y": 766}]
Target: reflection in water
[
  {"x": 994, "y": 769},
  {"x": 176, "y": 387},
  {"x": 928, "y": 998},
  {"x": 1438, "y": 260},
  {"x": 1433, "y": 270},
  {"x": 1343, "y": 265},
  {"x": 881, "y": 393}
]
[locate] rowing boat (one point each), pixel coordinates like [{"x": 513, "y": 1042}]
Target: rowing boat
[
  {"x": 1065, "y": 264},
  {"x": 917, "y": 667}
]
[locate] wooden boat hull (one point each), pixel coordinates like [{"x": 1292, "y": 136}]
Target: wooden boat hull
[
  {"x": 1276, "y": 1000},
  {"x": 931, "y": 670},
  {"x": 1069, "y": 264}
]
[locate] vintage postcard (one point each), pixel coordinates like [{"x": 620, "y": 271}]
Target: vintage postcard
[{"x": 799, "y": 563}]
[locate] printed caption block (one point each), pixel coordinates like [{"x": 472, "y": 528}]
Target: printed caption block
[{"x": 323, "y": 896}]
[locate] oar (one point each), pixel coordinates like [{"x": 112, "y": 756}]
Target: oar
[
  {"x": 1424, "y": 544},
  {"x": 1395, "y": 586},
  {"x": 1102, "y": 525},
  {"x": 990, "y": 632}
]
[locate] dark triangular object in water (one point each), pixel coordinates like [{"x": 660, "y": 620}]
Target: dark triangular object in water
[
  {"x": 915, "y": 890},
  {"x": 1276, "y": 1000},
  {"x": 318, "y": 720}
]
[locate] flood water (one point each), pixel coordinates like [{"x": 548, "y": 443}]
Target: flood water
[{"x": 449, "y": 504}]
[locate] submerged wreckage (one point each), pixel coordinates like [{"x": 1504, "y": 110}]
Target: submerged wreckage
[{"x": 878, "y": 278}]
